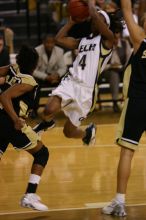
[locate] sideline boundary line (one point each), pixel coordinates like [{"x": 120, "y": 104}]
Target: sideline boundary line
[{"x": 87, "y": 206}]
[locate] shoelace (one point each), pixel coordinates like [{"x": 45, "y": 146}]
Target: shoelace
[
  {"x": 35, "y": 197},
  {"x": 113, "y": 204}
]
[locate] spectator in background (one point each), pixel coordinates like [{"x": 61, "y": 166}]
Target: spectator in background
[
  {"x": 111, "y": 7},
  {"x": 51, "y": 66},
  {"x": 4, "y": 53},
  {"x": 135, "y": 16},
  {"x": 8, "y": 36},
  {"x": 141, "y": 15},
  {"x": 114, "y": 71},
  {"x": 101, "y": 4}
]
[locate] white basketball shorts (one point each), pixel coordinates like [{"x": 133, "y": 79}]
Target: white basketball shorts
[{"x": 76, "y": 99}]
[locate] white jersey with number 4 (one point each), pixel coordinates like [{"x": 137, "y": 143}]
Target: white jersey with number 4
[
  {"x": 91, "y": 60},
  {"x": 78, "y": 88}
]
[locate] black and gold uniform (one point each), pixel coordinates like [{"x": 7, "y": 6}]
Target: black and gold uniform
[
  {"x": 26, "y": 138},
  {"x": 133, "y": 118}
]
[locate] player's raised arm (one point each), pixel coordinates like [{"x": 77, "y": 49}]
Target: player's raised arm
[
  {"x": 63, "y": 39},
  {"x": 6, "y": 99},
  {"x": 137, "y": 34},
  {"x": 100, "y": 25}
]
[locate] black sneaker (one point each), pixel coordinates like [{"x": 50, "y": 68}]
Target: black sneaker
[
  {"x": 90, "y": 137},
  {"x": 43, "y": 126}
]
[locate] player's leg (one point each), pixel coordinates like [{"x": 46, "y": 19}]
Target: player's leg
[
  {"x": 124, "y": 168},
  {"x": 30, "y": 141},
  {"x": 30, "y": 199},
  {"x": 3, "y": 146},
  {"x": 52, "y": 107},
  {"x": 117, "y": 205},
  {"x": 87, "y": 135},
  {"x": 72, "y": 131},
  {"x": 5, "y": 132},
  {"x": 130, "y": 129}
]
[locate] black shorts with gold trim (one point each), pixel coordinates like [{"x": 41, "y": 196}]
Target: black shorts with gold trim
[
  {"x": 25, "y": 138},
  {"x": 132, "y": 123}
]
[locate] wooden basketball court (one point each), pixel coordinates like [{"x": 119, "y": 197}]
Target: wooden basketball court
[{"x": 78, "y": 181}]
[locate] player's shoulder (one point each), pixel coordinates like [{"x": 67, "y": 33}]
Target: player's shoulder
[
  {"x": 14, "y": 67},
  {"x": 28, "y": 79},
  {"x": 25, "y": 78}
]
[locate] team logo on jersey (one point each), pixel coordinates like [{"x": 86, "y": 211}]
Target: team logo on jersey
[
  {"x": 144, "y": 54},
  {"x": 81, "y": 118},
  {"x": 11, "y": 80},
  {"x": 87, "y": 47}
]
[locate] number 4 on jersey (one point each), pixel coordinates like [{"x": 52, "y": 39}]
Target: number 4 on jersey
[{"x": 82, "y": 62}]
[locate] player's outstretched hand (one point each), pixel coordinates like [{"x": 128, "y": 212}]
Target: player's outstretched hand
[
  {"x": 19, "y": 123},
  {"x": 71, "y": 21}
]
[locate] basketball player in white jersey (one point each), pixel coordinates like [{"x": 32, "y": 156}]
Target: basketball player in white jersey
[{"x": 77, "y": 93}]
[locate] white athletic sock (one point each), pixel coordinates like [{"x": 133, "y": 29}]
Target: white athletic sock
[
  {"x": 120, "y": 197},
  {"x": 34, "y": 179}
]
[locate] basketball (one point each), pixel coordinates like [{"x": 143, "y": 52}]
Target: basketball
[{"x": 78, "y": 10}]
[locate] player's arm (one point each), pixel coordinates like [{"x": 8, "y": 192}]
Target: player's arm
[
  {"x": 4, "y": 70},
  {"x": 100, "y": 25},
  {"x": 6, "y": 101},
  {"x": 136, "y": 32},
  {"x": 65, "y": 41}
]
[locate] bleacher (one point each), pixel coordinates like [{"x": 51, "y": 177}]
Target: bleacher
[{"x": 28, "y": 25}]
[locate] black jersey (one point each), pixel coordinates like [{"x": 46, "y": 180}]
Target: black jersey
[
  {"x": 135, "y": 74},
  {"x": 23, "y": 103}
]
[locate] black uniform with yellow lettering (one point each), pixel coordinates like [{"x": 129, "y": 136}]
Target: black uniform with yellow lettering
[
  {"x": 133, "y": 119},
  {"x": 26, "y": 138}
]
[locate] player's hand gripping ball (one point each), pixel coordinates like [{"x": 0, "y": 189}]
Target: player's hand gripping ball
[{"x": 78, "y": 10}]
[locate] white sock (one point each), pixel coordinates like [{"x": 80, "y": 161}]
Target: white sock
[
  {"x": 120, "y": 197},
  {"x": 35, "y": 179}
]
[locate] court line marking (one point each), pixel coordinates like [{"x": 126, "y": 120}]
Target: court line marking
[
  {"x": 89, "y": 147},
  {"x": 102, "y": 204},
  {"x": 87, "y": 206},
  {"x": 85, "y": 147},
  {"x": 84, "y": 126},
  {"x": 70, "y": 146}
]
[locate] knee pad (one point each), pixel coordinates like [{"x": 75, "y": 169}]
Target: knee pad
[{"x": 41, "y": 157}]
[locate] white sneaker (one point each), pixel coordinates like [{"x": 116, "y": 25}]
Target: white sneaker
[
  {"x": 115, "y": 208},
  {"x": 31, "y": 200}
]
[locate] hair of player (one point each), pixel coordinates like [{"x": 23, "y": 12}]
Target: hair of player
[
  {"x": 27, "y": 59},
  {"x": 117, "y": 21}
]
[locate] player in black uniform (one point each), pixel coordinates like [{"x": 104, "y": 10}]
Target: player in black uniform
[
  {"x": 132, "y": 123},
  {"x": 16, "y": 99}
]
